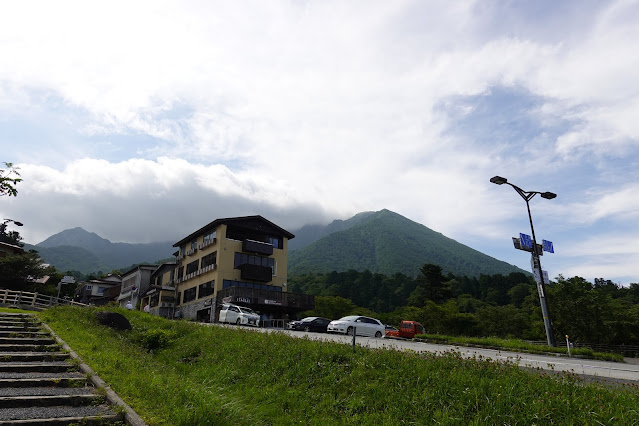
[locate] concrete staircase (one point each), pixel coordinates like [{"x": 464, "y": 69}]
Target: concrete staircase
[{"x": 40, "y": 384}]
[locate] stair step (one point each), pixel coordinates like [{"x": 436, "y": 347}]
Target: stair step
[
  {"x": 26, "y": 340},
  {"x": 28, "y": 348},
  {"x": 33, "y": 356},
  {"x": 46, "y": 391},
  {"x": 58, "y": 416},
  {"x": 40, "y": 382},
  {"x": 40, "y": 367},
  {"x": 50, "y": 400}
]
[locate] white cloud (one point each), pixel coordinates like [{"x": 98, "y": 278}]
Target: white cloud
[{"x": 152, "y": 111}]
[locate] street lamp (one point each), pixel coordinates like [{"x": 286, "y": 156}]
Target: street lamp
[{"x": 541, "y": 287}]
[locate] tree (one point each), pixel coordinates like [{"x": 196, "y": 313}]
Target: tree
[
  {"x": 19, "y": 271},
  {"x": 431, "y": 286},
  {"x": 9, "y": 178}
]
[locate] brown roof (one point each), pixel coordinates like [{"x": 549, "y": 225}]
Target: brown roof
[{"x": 234, "y": 220}]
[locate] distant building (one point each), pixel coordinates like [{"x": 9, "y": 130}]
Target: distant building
[
  {"x": 134, "y": 283},
  {"x": 240, "y": 260},
  {"x": 160, "y": 296},
  {"x": 7, "y": 249},
  {"x": 99, "y": 291}
]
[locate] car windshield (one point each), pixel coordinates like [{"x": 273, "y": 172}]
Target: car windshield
[
  {"x": 308, "y": 319},
  {"x": 349, "y": 318},
  {"x": 247, "y": 311}
]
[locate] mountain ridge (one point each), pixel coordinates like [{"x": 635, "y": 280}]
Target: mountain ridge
[{"x": 386, "y": 242}]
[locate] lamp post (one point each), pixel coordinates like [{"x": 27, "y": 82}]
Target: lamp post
[{"x": 541, "y": 287}]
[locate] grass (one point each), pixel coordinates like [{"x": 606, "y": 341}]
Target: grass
[
  {"x": 17, "y": 311},
  {"x": 518, "y": 345},
  {"x": 183, "y": 373}
]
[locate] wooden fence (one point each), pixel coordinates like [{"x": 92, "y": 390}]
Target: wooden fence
[{"x": 28, "y": 300}]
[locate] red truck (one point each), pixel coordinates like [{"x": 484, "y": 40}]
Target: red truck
[{"x": 407, "y": 330}]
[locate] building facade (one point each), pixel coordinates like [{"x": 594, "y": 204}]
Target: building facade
[
  {"x": 99, "y": 291},
  {"x": 160, "y": 296},
  {"x": 134, "y": 283},
  {"x": 240, "y": 260}
]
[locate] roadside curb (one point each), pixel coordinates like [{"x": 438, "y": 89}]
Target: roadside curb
[{"x": 131, "y": 417}]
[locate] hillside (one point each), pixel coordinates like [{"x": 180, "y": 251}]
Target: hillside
[
  {"x": 308, "y": 234},
  {"x": 79, "y": 250},
  {"x": 386, "y": 242}
]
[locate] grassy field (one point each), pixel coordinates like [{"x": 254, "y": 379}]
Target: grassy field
[
  {"x": 517, "y": 345},
  {"x": 182, "y": 373}
]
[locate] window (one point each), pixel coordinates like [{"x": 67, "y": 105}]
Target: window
[
  {"x": 89, "y": 287},
  {"x": 209, "y": 259},
  {"x": 194, "y": 245},
  {"x": 193, "y": 266},
  {"x": 206, "y": 289},
  {"x": 209, "y": 238},
  {"x": 189, "y": 294},
  {"x": 251, "y": 259},
  {"x": 179, "y": 298},
  {"x": 159, "y": 280},
  {"x": 180, "y": 273},
  {"x": 101, "y": 290}
]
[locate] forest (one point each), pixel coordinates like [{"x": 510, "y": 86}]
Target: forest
[{"x": 506, "y": 306}]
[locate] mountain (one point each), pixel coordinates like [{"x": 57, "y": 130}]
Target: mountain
[
  {"x": 308, "y": 234},
  {"x": 386, "y": 242},
  {"x": 79, "y": 250}
]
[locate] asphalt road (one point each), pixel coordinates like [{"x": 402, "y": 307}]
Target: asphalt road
[{"x": 599, "y": 370}]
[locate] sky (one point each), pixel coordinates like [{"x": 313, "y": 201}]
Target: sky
[{"x": 143, "y": 121}]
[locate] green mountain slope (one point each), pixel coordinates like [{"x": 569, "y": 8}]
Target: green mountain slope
[
  {"x": 70, "y": 258},
  {"x": 80, "y": 250},
  {"x": 386, "y": 242}
]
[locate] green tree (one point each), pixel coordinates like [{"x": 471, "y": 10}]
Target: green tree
[
  {"x": 19, "y": 271},
  {"x": 431, "y": 285},
  {"x": 9, "y": 178}
]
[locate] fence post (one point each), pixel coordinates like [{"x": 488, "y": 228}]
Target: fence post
[{"x": 354, "y": 334}]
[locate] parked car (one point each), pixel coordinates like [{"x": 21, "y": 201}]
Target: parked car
[
  {"x": 407, "y": 330},
  {"x": 364, "y": 326},
  {"x": 318, "y": 324},
  {"x": 235, "y": 314}
]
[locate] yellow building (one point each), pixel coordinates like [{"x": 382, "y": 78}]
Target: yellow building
[{"x": 241, "y": 260}]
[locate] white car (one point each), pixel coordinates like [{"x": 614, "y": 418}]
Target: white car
[
  {"x": 235, "y": 314},
  {"x": 363, "y": 326}
]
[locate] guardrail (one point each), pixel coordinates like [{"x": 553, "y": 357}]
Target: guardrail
[{"x": 25, "y": 299}]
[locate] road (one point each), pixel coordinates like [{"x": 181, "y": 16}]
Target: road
[{"x": 593, "y": 369}]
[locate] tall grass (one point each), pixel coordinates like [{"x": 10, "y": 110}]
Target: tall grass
[{"x": 181, "y": 373}]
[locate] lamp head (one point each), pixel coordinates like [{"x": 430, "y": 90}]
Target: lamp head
[
  {"x": 17, "y": 223},
  {"x": 498, "y": 180},
  {"x": 548, "y": 195}
]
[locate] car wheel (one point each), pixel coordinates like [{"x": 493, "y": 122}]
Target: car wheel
[
  {"x": 238, "y": 322},
  {"x": 349, "y": 331},
  {"x": 378, "y": 334},
  {"x": 306, "y": 329}
]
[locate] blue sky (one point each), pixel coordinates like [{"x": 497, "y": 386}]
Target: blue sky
[{"x": 143, "y": 121}]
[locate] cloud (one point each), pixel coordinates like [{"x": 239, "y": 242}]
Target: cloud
[{"x": 137, "y": 120}]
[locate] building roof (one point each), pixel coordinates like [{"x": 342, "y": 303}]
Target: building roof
[
  {"x": 11, "y": 248},
  {"x": 136, "y": 268},
  {"x": 236, "y": 221}
]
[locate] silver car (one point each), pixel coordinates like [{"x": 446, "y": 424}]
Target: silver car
[
  {"x": 362, "y": 326},
  {"x": 235, "y": 314}
]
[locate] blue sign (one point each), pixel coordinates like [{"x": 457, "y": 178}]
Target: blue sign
[
  {"x": 525, "y": 240},
  {"x": 548, "y": 246}
]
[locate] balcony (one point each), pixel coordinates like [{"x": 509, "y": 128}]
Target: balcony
[
  {"x": 256, "y": 273},
  {"x": 206, "y": 244},
  {"x": 252, "y": 246}
]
